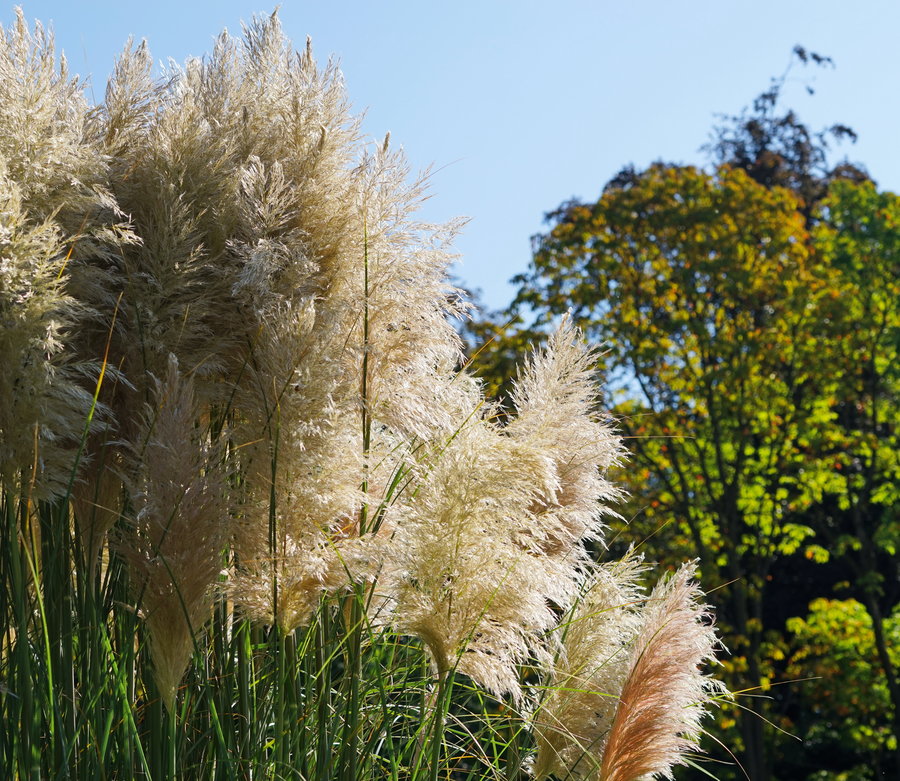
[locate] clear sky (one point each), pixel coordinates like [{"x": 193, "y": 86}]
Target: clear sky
[{"x": 522, "y": 104}]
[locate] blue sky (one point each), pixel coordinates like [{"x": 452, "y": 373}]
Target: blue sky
[{"x": 519, "y": 106}]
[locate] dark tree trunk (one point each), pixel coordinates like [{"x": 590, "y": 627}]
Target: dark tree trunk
[
  {"x": 750, "y": 717},
  {"x": 890, "y": 674}
]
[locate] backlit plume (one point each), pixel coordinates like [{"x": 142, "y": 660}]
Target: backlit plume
[
  {"x": 626, "y": 700},
  {"x": 666, "y": 694},
  {"x": 175, "y": 541},
  {"x": 576, "y": 712}
]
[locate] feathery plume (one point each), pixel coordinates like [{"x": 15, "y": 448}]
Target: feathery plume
[
  {"x": 175, "y": 543},
  {"x": 276, "y": 257},
  {"x": 45, "y": 141},
  {"x": 455, "y": 577},
  {"x": 576, "y": 711},
  {"x": 666, "y": 694},
  {"x": 42, "y": 405},
  {"x": 491, "y": 539},
  {"x": 285, "y": 590},
  {"x": 54, "y": 211},
  {"x": 556, "y": 401}
]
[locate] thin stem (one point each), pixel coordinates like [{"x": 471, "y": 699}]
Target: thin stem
[{"x": 445, "y": 682}]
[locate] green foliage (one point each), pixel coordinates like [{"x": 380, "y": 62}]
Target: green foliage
[
  {"x": 751, "y": 348},
  {"x": 859, "y": 238},
  {"x": 844, "y": 696},
  {"x": 78, "y": 684}
]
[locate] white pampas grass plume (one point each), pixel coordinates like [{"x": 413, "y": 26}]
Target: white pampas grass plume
[
  {"x": 175, "y": 544},
  {"x": 457, "y": 579},
  {"x": 556, "y": 398},
  {"x": 54, "y": 211},
  {"x": 277, "y": 255},
  {"x": 44, "y": 135},
  {"x": 490, "y": 539},
  {"x": 285, "y": 589},
  {"x": 575, "y": 715},
  {"x": 43, "y": 406},
  {"x": 666, "y": 694}
]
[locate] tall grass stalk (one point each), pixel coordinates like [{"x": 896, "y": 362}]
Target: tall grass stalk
[{"x": 255, "y": 520}]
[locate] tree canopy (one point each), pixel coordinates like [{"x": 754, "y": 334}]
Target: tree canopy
[{"x": 749, "y": 314}]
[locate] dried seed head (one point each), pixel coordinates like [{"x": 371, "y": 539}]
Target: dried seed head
[
  {"x": 557, "y": 412},
  {"x": 576, "y": 712},
  {"x": 180, "y": 526},
  {"x": 666, "y": 694}
]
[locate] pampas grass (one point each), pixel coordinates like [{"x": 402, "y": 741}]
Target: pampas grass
[
  {"x": 180, "y": 526},
  {"x": 665, "y": 693},
  {"x": 256, "y": 520},
  {"x": 576, "y": 714}
]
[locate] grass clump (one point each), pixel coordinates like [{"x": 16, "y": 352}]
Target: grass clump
[{"x": 256, "y": 522}]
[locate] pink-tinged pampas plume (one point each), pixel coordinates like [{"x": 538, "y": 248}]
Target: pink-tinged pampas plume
[
  {"x": 666, "y": 693},
  {"x": 174, "y": 547}
]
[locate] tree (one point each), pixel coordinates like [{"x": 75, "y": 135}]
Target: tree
[
  {"x": 750, "y": 315},
  {"x": 778, "y": 150},
  {"x": 752, "y": 356},
  {"x": 702, "y": 287},
  {"x": 841, "y": 710},
  {"x": 856, "y": 513}
]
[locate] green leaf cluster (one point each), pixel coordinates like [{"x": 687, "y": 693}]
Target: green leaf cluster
[{"x": 751, "y": 359}]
